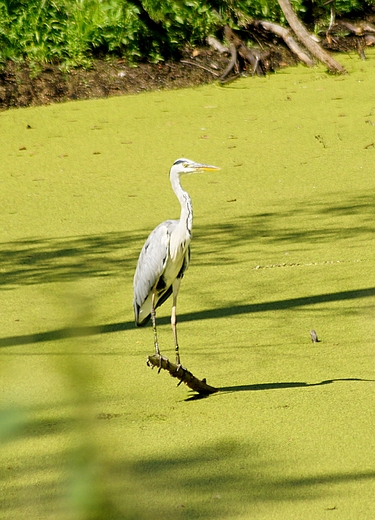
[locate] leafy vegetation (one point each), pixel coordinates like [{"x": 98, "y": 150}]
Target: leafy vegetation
[{"x": 72, "y": 32}]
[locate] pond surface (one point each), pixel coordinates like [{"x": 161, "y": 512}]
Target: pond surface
[{"x": 283, "y": 243}]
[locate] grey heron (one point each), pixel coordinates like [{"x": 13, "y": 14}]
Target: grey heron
[{"x": 165, "y": 257}]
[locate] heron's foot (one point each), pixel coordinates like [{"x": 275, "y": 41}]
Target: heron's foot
[
  {"x": 157, "y": 354},
  {"x": 180, "y": 367},
  {"x": 178, "y": 361},
  {"x": 180, "y": 371},
  {"x": 160, "y": 359}
]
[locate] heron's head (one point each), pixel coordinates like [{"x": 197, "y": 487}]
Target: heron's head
[{"x": 186, "y": 166}]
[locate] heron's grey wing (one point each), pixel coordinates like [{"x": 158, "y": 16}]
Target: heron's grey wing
[{"x": 151, "y": 264}]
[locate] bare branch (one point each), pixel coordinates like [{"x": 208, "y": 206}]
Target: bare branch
[
  {"x": 351, "y": 27},
  {"x": 284, "y": 33},
  {"x": 367, "y": 27},
  {"x": 200, "y": 66},
  {"x": 359, "y": 29},
  {"x": 369, "y": 39},
  {"x": 304, "y": 37},
  {"x": 232, "y": 63},
  {"x": 182, "y": 374},
  {"x": 253, "y": 56},
  {"x": 332, "y": 19},
  {"x": 215, "y": 44}
]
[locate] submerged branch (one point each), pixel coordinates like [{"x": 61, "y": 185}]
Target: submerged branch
[{"x": 182, "y": 374}]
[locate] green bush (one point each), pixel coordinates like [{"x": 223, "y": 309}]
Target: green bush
[{"x": 72, "y": 32}]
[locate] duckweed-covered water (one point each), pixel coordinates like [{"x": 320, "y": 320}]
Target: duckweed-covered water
[{"x": 283, "y": 243}]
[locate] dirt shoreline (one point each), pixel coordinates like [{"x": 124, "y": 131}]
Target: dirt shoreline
[{"x": 22, "y": 86}]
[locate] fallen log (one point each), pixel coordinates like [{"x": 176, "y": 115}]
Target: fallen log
[
  {"x": 182, "y": 374},
  {"x": 304, "y": 37},
  {"x": 359, "y": 29},
  {"x": 284, "y": 33}
]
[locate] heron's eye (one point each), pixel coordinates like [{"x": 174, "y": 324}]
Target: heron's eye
[{"x": 185, "y": 165}]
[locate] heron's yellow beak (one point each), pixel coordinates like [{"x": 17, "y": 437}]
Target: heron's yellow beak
[{"x": 204, "y": 167}]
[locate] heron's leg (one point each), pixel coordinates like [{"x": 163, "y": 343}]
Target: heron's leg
[
  {"x": 176, "y": 286},
  {"x": 174, "y": 328},
  {"x": 153, "y": 317}
]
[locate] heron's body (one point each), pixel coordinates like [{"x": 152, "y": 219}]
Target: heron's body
[
  {"x": 161, "y": 262},
  {"x": 165, "y": 256}
]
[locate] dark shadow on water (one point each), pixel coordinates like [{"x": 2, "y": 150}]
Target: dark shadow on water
[
  {"x": 65, "y": 333},
  {"x": 289, "y": 303},
  {"x": 64, "y": 259},
  {"x": 251, "y": 308},
  {"x": 40, "y": 260},
  {"x": 283, "y": 385},
  {"x": 272, "y": 386}
]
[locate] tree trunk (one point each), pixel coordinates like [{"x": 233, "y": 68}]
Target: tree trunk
[{"x": 304, "y": 37}]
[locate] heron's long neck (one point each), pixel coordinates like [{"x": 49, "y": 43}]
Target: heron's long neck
[{"x": 186, "y": 217}]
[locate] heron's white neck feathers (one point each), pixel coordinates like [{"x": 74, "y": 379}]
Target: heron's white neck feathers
[{"x": 186, "y": 217}]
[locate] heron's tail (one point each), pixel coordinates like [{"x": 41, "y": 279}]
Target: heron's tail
[
  {"x": 143, "y": 322},
  {"x": 140, "y": 322},
  {"x": 141, "y": 319}
]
